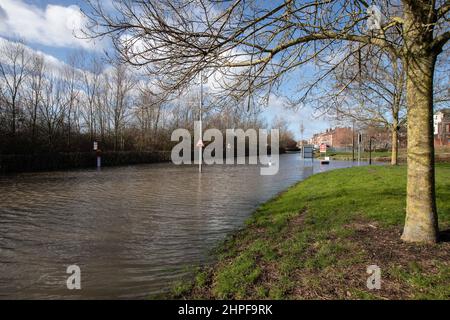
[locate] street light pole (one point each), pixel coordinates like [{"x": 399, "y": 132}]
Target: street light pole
[{"x": 200, "y": 148}]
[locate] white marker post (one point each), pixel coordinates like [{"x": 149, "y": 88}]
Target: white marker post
[
  {"x": 200, "y": 146},
  {"x": 323, "y": 149},
  {"x": 99, "y": 158}
]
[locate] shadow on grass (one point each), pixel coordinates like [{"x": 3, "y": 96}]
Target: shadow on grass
[{"x": 444, "y": 236}]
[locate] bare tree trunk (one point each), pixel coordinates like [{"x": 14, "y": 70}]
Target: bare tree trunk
[
  {"x": 13, "y": 120},
  {"x": 394, "y": 148},
  {"x": 421, "y": 223},
  {"x": 69, "y": 127},
  {"x": 116, "y": 137},
  {"x": 34, "y": 120}
]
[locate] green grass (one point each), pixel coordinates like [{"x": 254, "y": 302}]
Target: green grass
[
  {"x": 440, "y": 152},
  {"x": 364, "y": 155},
  {"x": 305, "y": 243}
]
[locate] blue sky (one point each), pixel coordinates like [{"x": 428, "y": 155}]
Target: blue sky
[{"x": 46, "y": 25}]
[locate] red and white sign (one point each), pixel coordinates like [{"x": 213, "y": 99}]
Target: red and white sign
[
  {"x": 323, "y": 147},
  {"x": 200, "y": 144}
]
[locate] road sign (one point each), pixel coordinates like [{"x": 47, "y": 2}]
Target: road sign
[
  {"x": 200, "y": 144},
  {"x": 308, "y": 152},
  {"x": 323, "y": 148},
  {"x": 95, "y": 145}
]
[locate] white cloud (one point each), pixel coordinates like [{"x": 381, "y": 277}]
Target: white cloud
[
  {"x": 53, "y": 25},
  {"x": 52, "y": 64}
]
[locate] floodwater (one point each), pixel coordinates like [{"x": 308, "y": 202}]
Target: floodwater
[{"x": 132, "y": 230}]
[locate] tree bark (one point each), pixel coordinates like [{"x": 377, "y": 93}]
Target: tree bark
[
  {"x": 13, "y": 120},
  {"x": 421, "y": 223},
  {"x": 394, "y": 148}
]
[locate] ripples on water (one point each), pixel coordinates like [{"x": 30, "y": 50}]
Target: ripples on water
[{"x": 132, "y": 230}]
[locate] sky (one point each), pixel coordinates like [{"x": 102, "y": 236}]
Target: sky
[{"x": 47, "y": 26}]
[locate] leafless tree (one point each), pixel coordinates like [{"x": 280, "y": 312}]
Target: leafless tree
[
  {"x": 148, "y": 113},
  {"x": 254, "y": 45},
  {"x": 53, "y": 108},
  {"x": 92, "y": 72},
  {"x": 13, "y": 71},
  {"x": 71, "y": 77},
  {"x": 286, "y": 135},
  {"x": 36, "y": 87},
  {"x": 122, "y": 83},
  {"x": 372, "y": 93}
]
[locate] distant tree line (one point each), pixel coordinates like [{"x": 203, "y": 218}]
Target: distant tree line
[{"x": 49, "y": 108}]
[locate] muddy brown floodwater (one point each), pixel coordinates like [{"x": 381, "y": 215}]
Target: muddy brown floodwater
[{"x": 132, "y": 230}]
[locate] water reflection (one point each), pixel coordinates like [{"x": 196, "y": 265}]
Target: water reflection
[{"x": 132, "y": 230}]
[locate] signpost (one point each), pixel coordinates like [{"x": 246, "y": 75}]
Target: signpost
[
  {"x": 200, "y": 146},
  {"x": 98, "y": 153},
  {"x": 200, "y": 142},
  {"x": 323, "y": 148},
  {"x": 308, "y": 152}
]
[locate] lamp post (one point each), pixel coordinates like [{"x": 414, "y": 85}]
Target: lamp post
[
  {"x": 302, "y": 131},
  {"x": 200, "y": 148},
  {"x": 200, "y": 142}
]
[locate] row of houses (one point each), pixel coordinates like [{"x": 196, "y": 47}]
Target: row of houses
[
  {"x": 344, "y": 137},
  {"x": 337, "y": 138},
  {"x": 441, "y": 125}
]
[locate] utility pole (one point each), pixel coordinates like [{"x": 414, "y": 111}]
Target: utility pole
[{"x": 200, "y": 148}]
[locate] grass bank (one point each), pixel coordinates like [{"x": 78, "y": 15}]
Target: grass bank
[
  {"x": 316, "y": 240},
  {"x": 347, "y": 156},
  {"x": 442, "y": 155}
]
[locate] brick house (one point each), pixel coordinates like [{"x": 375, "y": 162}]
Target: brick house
[
  {"x": 383, "y": 137},
  {"x": 341, "y": 138},
  {"x": 441, "y": 125},
  {"x": 336, "y": 138}
]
